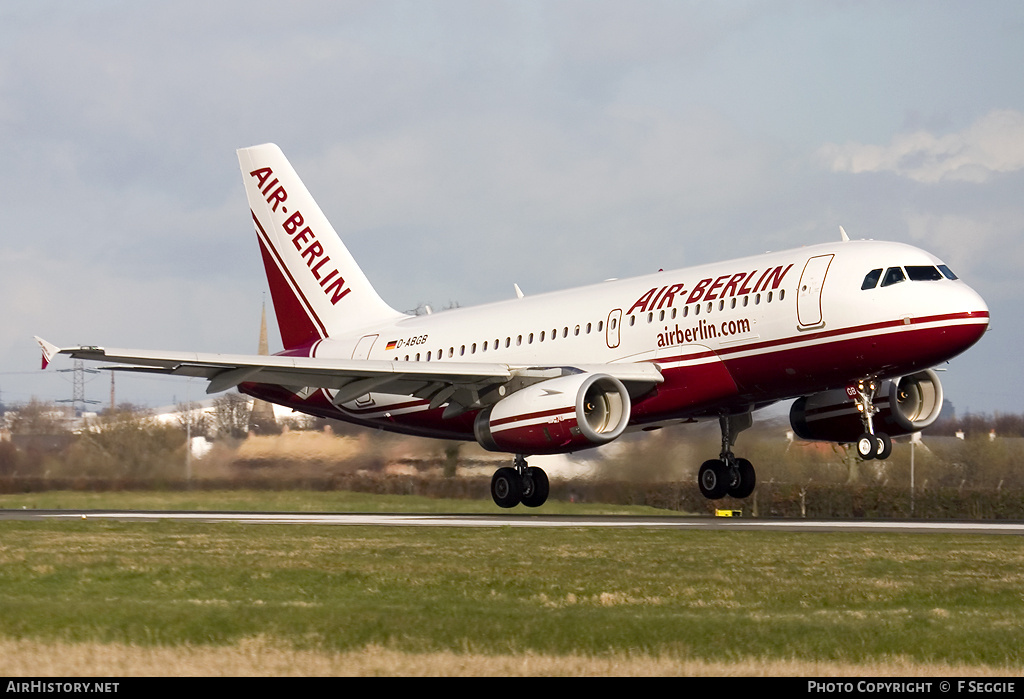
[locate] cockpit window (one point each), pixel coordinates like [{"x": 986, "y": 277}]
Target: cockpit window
[
  {"x": 947, "y": 272},
  {"x": 871, "y": 280},
  {"x": 923, "y": 273},
  {"x": 893, "y": 275}
]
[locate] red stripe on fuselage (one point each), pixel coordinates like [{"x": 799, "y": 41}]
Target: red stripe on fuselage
[
  {"x": 725, "y": 352},
  {"x": 777, "y": 370}
]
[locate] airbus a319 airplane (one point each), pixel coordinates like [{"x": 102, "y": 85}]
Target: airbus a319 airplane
[{"x": 850, "y": 329}]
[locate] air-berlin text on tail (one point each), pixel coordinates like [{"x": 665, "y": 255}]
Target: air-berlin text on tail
[
  {"x": 725, "y": 286},
  {"x": 303, "y": 237}
]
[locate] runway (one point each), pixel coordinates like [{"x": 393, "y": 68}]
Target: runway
[{"x": 529, "y": 521}]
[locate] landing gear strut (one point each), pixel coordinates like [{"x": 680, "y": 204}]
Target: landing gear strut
[
  {"x": 728, "y": 475},
  {"x": 871, "y": 444},
  {"x": 520, "y": 484}
]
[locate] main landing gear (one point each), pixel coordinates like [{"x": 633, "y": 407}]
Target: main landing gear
[
  {"x": 871, "y": 444},
  {"x": 519, "y": 484},
  {"x": 728, "y": 475}
]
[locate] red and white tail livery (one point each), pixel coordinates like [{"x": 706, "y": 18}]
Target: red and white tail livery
[
  {"x": 310, "y": 271},
  {"x": 849, "y": 329}
]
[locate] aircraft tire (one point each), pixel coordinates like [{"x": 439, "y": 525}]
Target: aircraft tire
[
  {"x": 713, "y": 479},
  {"x": 884, "y": 444},
  {"x": 506, "y": 488},
  {"x": 745, "y": 481},
  {"x": 535, "y": 487},
  {"x": 867, "y": 446}
]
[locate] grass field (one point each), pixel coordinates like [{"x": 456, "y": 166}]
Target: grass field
[{"x": 268, "y": 599}]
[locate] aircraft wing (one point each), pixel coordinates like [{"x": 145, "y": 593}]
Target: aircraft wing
[{"x": 351, "y": 378}]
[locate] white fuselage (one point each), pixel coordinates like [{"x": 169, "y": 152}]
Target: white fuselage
[{"x": 727, "y": 337}]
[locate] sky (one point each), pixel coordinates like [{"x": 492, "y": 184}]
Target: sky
[{"x": 461, "y": 147}]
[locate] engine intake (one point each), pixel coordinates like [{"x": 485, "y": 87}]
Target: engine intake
[
  {"x": 556, "y": 416},
  {"x": 904, "y": 406}
]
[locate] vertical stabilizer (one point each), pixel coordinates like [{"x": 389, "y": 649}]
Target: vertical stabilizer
[{"x": 317, "y": 288}]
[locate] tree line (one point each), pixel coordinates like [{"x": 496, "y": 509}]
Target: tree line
[{"x": 41, "y": 439}]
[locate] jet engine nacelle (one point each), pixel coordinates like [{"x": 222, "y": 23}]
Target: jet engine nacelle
[
  {"x": 904, "y": 405},
  {"x": 556, "y": 416}
]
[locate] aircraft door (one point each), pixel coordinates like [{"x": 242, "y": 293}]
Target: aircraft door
[
  {"x": 362, "y": 351},
  {"x": 363, "y": 347},
  {"x": 808, "y": 297},
  {"x": 612, "y": 328}
]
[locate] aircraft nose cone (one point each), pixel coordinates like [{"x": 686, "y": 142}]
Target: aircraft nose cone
[{"x": 976, "y": 314}]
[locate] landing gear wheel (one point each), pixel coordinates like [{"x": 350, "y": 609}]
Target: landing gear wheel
[
  {"x": 713, "y": 479},
  {"x": 506, "y": 487},
  {"x": 867, "y": 446},
  {"x": 745, "y": 480},
  {"x": 535, "y": 487},
  {"x": 883, "y": 446}
]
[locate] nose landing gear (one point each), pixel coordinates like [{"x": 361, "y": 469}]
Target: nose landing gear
[{"x": 871, "y": 444}]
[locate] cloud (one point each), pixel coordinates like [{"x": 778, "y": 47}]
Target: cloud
[
  {"x": 992, "y": 144},
  {"x": 985, "y": 248}
]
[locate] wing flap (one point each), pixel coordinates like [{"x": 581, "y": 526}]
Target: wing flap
[{"x": 228, "y": 370}]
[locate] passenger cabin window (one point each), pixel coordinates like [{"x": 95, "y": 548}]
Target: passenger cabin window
[
  {"x": 893, "y": 275},
  {"x": 923, "y": 273},
  {"x": 871, "y": 280}
]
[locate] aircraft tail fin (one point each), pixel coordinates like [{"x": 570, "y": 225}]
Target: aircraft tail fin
[
  {"x": 49, "y": 349},
  {"x": 316, "y": 285}
]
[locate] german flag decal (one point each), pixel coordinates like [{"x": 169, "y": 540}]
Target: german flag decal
[{"x": 392, "y": 345}]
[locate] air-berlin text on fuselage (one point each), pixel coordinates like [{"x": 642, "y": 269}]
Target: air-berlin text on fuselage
[
  {"x": 303, "y": 237},
  {"x": 703, "y": 331},
  {"x": 725, "y": 286}
]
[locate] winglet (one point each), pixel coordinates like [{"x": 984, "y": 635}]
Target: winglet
[
  {"x": 842, "y": 232},
  {"x": 48, "y": 351}
]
